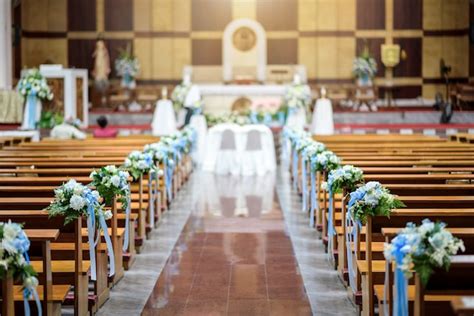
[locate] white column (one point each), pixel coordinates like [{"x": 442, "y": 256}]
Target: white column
[{"x": 5, "y": 44}]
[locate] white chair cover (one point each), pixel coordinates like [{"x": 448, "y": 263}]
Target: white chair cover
[
  {"x": 164, "y": 119},
  {"x": 323, "y": 121},
  {"x": 200, "y": 125},
  {"x": 254, "y": 157},
  {"x": 194, "y": 95},
  {"x": 297, "y": 119}
]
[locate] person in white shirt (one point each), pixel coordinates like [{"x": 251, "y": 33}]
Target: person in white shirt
[{"x": 67, "y": 130}]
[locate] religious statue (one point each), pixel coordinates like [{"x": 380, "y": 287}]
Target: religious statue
[{"x": 101, "y": 68}]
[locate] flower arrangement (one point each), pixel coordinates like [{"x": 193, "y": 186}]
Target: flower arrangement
[
  {"x": 178, "y": 96},
  {"x": 297, "y": 96},
  {"x": 127, "y": 66},
  {"x": 32, "y": 83},
  {"x": 73, "y": 200},
  {"x": 302, "y": 143},
  {"x": 372, "y": 199},
  {"x": 313, "y": 149},
  {"x": 346, "y": 177},
  {"x": 137, "y": 163},
  {"x": 14, "y": 257},
  {"x": 325, "y": 161},
  {"x": 111, "y": 181},
  {"x": 364, "y": 66},
  {"x": 423, "y": 248}
]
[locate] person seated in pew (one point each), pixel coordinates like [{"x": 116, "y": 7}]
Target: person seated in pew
[
  {"x": 103, "y": 131},
  {"x": 69, "y": 129}
]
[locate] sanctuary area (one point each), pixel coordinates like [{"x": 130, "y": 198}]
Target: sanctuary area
[{"x": 237, "y": 157}]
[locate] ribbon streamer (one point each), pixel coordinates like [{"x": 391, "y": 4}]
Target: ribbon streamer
[
  {"x": 27, "y": 292},
  {"x": 31, "y": 101},
  {"x": 313, "y": 199},
  {"x": 331, "y": 230},
  {"x": 151, "y": 202},
  {"x": 108, "y": 242},
  {"x": 303, "y": 181},
  {"x": 351, "y": 238},
  {"x": 90, "y": 235},
  {"x": 295, "y": 169},
  {"x": 127, "y": 222}
]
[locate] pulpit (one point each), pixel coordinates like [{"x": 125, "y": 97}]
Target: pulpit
[{"x": 71, "y": 88}]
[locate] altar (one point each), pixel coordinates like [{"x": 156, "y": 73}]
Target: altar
[{"x": 221, "y": 98}]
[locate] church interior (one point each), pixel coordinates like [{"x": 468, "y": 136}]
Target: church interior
[{"x": 237, "y": 157}]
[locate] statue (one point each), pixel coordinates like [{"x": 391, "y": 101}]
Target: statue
[{"x": 101, "y": 68}]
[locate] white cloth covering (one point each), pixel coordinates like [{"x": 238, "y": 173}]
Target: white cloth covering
[
  {"x": 323, "y": 121},
  {"x": 297, "y": 119},
  {"x": 26, "y": 115},
  {"x": 164, "y": 119},
  {"x": 200, "y": 125},
  {"x": 193, "y": 96},
  {"x": 237, "y": 150}
]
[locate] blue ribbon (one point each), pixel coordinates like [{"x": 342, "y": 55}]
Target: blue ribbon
[
  {"x": 31, "y": 101},
  {"x": 27, "y": 292},
  {"x": 267, "y": 119},
  {"x": 304, "y": 206},
  {"x": 330, "y": 223},
  {"x": 295, "y": 169},
  {"x": 127, "y": 222},
  {"x": 108, "y": 242},
  {"x": 151, "y": 202},
  {"x": 253, "y": 118},
  {"x": 400, "y": 305},
  {"x": 90, "y": 235},
  {"x": 281, "y": 118},
  {"x": 313, "y": 199},
  {"x": 351, "y": 237},
  {"x": 168, "y": 176}
]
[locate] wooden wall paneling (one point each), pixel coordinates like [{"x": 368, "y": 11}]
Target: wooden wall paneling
[
  {"x": 80, "y": 53},
  {"x": 278, "y": 15},
  {"x": 282, "y": 51},
  {"x": 407, "y": 14},
  {"x": 370, "y": 14},
  {"x": 210, "y": 15},
  {"x": 206, "y": 51},
  {"x": 411, "y": 66},
  {"x": 118, "y": 15},
  {"x": 81, "y": 15}
]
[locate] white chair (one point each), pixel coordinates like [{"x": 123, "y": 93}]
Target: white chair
[
  {"x": 253, "y": 156},
  {"x": 227, "y": 159}
]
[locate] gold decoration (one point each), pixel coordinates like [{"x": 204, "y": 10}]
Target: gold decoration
[
  {"x": 390, "y": 55},
  {"x": 241, "y": 105},
  {"x": 244, "y": 39}
]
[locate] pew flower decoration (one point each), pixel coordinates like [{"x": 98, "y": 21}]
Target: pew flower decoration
[
  {"x": 137, "y": 163},
  {"x": 372, "y": 199},
  {"x": 73, "y": 200},
  {"x": 325, "y": 161},
  {"x": 111, "y": 181},
  {"x": 34, "y": 84},
  {"x": 313, "y": 149},
  {"x": 14, "y": 260},
  {"x": 346, "y": 177},
  {"x": 423, "y": 248}
]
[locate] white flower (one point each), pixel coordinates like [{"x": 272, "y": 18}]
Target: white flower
[
  {"x": 78, "y": 189},
  {"x": 115, "y": 180},
  {"x": 10, "y": 231},
  {"x": 96, "y": 195},
  {"x": 324, "y": 186},
  {"x": 142, "y": 165},
  {"x": 111, "y": 168},
  {"x": 71, "y": 184},
  {"x": 76, "y": 202},
  {"x": 107, "y": 215},
  {"x": 93, "y": 173}
]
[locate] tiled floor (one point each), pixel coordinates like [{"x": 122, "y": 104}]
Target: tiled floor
[{"x": 234, "y": 257}]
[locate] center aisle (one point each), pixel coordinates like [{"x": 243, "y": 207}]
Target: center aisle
[{"x": 233, "y": 257}]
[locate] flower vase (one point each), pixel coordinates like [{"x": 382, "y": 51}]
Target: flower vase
[
  {"x": 128, "y": 82},
  {"x": 364, "y": 81},
  {"x": 32, "y": 113}
]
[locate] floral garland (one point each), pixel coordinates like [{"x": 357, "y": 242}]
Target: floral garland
[
  {"x": 346, "y": 177},
  {"x": 111, "y": 181},
  {"x": 420, "y": 249},
  {"x": 372, "y": 199},
  {"x": 32, "y": 83},
  {"x": 14, "y": 260},
  {"x": 325, "y": 161},
  {"x": 297, "y": 96},
  {"x": 138, "y": 163}
]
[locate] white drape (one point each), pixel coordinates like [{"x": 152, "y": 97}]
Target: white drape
[
  {"x": 164, "y": 119},
  {"x": 323, "y": 122}
]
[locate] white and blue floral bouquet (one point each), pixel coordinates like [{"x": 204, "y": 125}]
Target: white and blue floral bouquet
[
  {"x": 372, "y": 199},
  {"x": 297, "y": 96},
  {"x": 14, "y": 260},
  {"x": 111, "y": 181},
  {"x": 178, "y": 96},
  {"x": 325, "y": 161},
  {"x": 137, "y": 163},
  {"x": 423, "y": 248},
  {"x": 347, "y": 177},
  {"x": 364, "y": 66},
  {"x": 33, "y": 83},
  {"x": 313, "y": 149},
  {"x": 73, "y": 200},
  {"x": 127, "y": 66}
]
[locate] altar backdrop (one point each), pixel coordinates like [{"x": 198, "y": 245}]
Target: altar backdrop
[{"x": 324, "y": 35}]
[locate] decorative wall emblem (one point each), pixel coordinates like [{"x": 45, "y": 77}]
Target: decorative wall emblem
[
  {"x": 244, "y": 39},
  {"x": 241, "y": 105}
]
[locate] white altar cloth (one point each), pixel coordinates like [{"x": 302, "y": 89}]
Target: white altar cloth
[
  {"x": 323, "y": 121},
  {"x": 164, "y": 120},
  {"x": 244, "y": 155}
]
